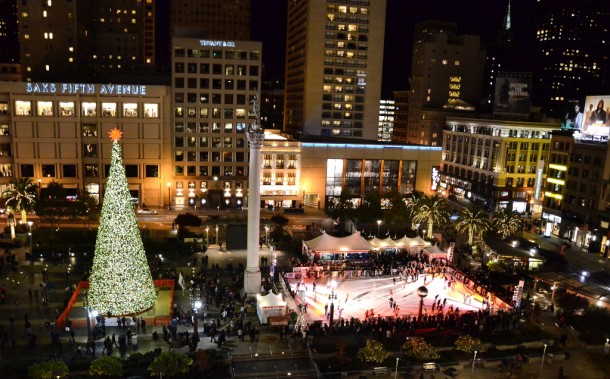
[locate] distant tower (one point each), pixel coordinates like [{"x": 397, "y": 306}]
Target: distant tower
[
  {"x": 506, "y": 34},
  {"x": 252, "y": 277}
]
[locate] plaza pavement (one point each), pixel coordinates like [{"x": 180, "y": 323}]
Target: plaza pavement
[{"x": 17, "y": 285}]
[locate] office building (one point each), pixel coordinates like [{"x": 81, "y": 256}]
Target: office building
[
  {"x": 58, "y": 132},
  {"x": 446, "y": 76},
  {"x": 571, "y": 38},
  {"x": 86, "y": 40},
  {"x": 386, "y": 120},
  {"x": 495, "y": 163},
  {"x": 214, "y": 85},
  {"x": 576, "y": 194},
  {"x": 401, "y": 116},
  {"x": 9, "y": 36},
  {"x": 211, "y": 19},
  {"x": 334, "y": 62}
]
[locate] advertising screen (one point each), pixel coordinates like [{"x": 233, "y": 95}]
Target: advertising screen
[
  {"x": 595, "y": 116},
  {"x": 513, "y": 94}
]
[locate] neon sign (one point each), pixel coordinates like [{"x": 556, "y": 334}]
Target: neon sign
[{"x": 207, "y": 42}]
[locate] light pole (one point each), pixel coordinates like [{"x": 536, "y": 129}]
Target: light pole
[
  {"x": 217, "y": 239},
  {"x": 422, "y": 292},
  {"x": 304, "y": 189},
  {"x": 417, "y": 230},
  {"x": 332, "y": 297},
  {"x": 207, "y": 236},
  {"x": 474, "y": 361},
  {"x": 396, "y": 371},
  {"x": 378, "y": 226},
  {"x": 267, "y": 235},
  {"x": 39, "y": 185},
  {"x": 197, "y": 306},
  {"x": 542, "y": 360},
  {"x": 30, "y": 235},
  {"x": 169, "y": 196}
]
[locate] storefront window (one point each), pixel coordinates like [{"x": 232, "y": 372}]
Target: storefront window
[
  {"x": 66, "y": 108},
  {"x": 130, "y": 110},
  {"x": 44, "y": 108},
  {"x": 151, "y": 110},
  {"x": 109, "y": 109},
  {"x": 88, "y": 109},
  {"x": 23, "y": 108}
]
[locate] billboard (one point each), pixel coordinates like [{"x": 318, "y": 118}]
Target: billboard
[
  {"x": 513, "y": 94},
  {"x": 594, "y": 116}
]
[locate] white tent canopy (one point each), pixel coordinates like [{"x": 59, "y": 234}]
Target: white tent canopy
[
  {"x": 382, "y": 243},
  {"x": 435, "y": 252},
  {"x": 328, "y": 243},
  {"x": 269, "y": 305},
  {"x": 411, "y": 242}
]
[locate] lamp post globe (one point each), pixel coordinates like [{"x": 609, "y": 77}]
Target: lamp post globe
[{"x": 422, "y": 292}]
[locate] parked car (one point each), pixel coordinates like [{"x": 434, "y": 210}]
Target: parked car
[{"x": 146, "y": 211}]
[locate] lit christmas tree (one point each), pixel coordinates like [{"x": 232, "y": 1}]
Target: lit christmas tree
[{"x": 120, "y": 281}]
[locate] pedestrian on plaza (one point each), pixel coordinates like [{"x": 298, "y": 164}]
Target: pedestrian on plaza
[
  {"x": 560, "y": 375},
  {"x": 11, "y": 320},
  {"x": 79, "y": 352},
  {"x": 30, "y": 293}
]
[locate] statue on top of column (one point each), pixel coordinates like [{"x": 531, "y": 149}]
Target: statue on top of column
[{"x": 256, "y": 112}]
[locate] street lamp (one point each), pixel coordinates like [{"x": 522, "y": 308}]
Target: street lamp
[
  {"x": 207, "y": 236},
  {"x": 169, "y": 196},
  {"x": 267, "y": 235},
  {"x": 39, "y": 185},
  {"x": 332, "y": 297},
  {"x": 30, "y": 235},
  {"x": 378, "y": 225},
  {"x": 217, "y": 239},
  {"x": 396, "y": 371},
  {"x": 304, "y": 189},
  {"x": 417, "y": 230},
  {"x": 474, "y": 361},
  {"x": 422, "y": 292},
  {"x": 197, "y": 306},
  {"x": 542, "y": 360}
]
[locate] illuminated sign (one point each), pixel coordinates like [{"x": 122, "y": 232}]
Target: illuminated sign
[
  {"x": 558, "y": 167},
  {"x": 539, "y": 172},
  {"x": 87, "y": 89},
  {"x": 553, "y": 195},
  {"x": 207, "y": 42},
  {"x": 556, "y": 181}
]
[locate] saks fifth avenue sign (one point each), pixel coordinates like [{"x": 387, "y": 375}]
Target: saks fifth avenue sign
[{"x": 86, "y": 89}]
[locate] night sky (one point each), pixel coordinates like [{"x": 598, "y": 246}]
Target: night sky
[{"x": 479, "y": 17}]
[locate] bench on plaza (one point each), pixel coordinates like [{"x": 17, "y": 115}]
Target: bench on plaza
[
  {"x": 430, "y": 366},
  {"x": 381, "y": 371}
]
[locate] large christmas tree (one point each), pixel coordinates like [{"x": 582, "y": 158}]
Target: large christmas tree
[{"x": 120, "y": 281}]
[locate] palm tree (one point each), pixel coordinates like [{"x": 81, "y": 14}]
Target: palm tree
[
  {"x": 430, "y": 210},
  {"x": 20, "y": 196},
  {"x": 506, "y": 223},
  {"x": 475, "y": 222}
]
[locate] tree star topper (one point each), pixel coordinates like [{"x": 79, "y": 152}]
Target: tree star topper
[{"x": 115, "y": 134}]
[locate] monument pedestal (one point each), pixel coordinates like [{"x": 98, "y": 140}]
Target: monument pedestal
[{"x": 252, "y": 283}]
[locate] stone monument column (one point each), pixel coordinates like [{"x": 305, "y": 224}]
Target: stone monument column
[{"x": 252, "y": 276}]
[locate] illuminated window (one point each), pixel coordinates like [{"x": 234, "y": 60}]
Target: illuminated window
[
  {"x": 44, "y": 108},
  {"x": 151, "y": 110},
  {"x": 88, "y": 109},
  {"x": 109, "y": 109},
  {"x": 66, "y": 108},
  {"x": 23, "y": 108},
  {"x": 130, "y": 110}
]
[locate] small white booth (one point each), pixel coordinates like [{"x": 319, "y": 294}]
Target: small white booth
[
  {"x": 433, "y": 252},
  {"x": 270, "y": 305}
]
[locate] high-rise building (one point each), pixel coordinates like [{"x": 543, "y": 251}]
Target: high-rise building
[
  {"x": 572, "y": 38},
  {"x": 9, "y": 37},
  {"x": 214, "y": 85},
  {"x": 211, "y": 19},
  {"x": 401, "y": 116},
  {"x": 86, "y": 40},
  {"x": 446, "y": 75},
  {"x": 386, "y": 120},
  {"x": 334, "y": 59}
]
